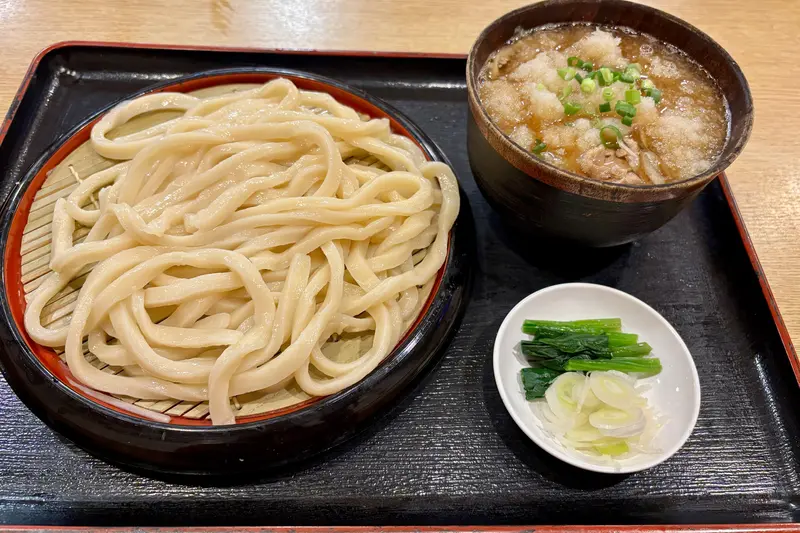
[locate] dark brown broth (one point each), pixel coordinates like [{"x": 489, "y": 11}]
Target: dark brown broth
[{"x": 688, "y": 93}]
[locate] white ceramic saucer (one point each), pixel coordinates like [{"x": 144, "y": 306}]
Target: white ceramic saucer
[{"x": 675, "y": 392}]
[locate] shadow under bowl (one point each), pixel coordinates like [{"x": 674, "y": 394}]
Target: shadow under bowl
[{"x": 537, "y": 197}]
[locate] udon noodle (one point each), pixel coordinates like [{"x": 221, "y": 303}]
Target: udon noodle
[{"x": 229, "y": 244}]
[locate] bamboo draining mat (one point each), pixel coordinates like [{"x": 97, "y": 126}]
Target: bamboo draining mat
[{"x": 35, "y": 253}]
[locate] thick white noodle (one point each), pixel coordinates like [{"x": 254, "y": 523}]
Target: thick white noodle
[{"x": 228, "y": 245}]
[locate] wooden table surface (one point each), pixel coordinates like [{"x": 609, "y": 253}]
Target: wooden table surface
[{"x": 761, "y": 35}]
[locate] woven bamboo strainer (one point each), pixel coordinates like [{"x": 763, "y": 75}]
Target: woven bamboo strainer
[{"x": 35, "y": 261}]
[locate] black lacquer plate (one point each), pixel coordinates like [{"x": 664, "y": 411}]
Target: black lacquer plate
[
  {"x": 255, "y": 443},
  {"x": 448, "y": 453}
]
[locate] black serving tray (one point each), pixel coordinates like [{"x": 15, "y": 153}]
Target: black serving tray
[{"x": 448, "y": 453}]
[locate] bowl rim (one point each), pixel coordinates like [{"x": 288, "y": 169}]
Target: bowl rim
[
  {"x": 546, "y": 443},
  {"x": 586, "y": 185},
  {"x": 12, "y": 215}
]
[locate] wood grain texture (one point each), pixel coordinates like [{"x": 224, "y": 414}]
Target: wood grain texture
[{"x": 762, "y": 36}]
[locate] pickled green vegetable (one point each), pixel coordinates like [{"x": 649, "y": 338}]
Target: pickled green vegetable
[
  {"x": 615, "y": 338},
  {"x": 633, "y": 350},
  {"x": 644, "y": 365},
  {"x": 536, "y": 380},
  {"x": 606, "y": 324}
]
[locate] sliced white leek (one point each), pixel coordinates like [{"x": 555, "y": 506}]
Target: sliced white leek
[
  {"x": 614, "y": 422},
  {"x": 615, "y": 390},
  {"x": 563, "y": 395},
  {"x": 602, "y": 415}
]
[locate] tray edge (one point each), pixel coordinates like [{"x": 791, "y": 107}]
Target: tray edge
[
  {"x": 769, "y": 296},
  {"x": 724, "y": 528}
]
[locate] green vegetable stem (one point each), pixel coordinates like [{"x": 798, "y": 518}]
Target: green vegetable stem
[
  {"x": 634, "y": 350},
  {"x": 618, "y": 339},
  {"x": 605, "y": 324},
  {"x": 580, "y": 346},
  {"x": 594, "y": 345},
  {"x": 615, "y": 338},
  {"x": 644, "y": 365}
]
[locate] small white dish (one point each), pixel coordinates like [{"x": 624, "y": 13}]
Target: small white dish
[{"x": 675, "y": 392}]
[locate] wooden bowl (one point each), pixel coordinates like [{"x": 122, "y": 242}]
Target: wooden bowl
[
  {"x": 273, "y": 431},
  {"x": 535, "y": 196}
]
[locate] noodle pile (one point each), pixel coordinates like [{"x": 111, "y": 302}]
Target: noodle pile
[{"x": 228, "y": 245}]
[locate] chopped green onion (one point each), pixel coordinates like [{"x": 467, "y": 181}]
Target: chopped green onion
[
  {"x": 648, "y": 84},
  {"x": 573, "y": 61},
  {"x": 604, "y": 107},
  {"x": 626, "y": 78},
  {"x": 570, "y": 108},
  {"x": 566, "y": 73},
  {"x": 633, "y": 71},
  {"x": 540, "y": 87},
  {"x": 606, "y": 76},
  {"x": 540, "y": 147},
  {"x": 608, "y": 94},
  {"x": 624, "y": 108},
  {"x": 587, "y": 66},
  {"x": 588, "y": 86},
  {"x": 627, "y": 120},
  {"x": 632, "y": 96},
  {"x": 579, "y": 78},
  {"x": 610, "y": 135},
  {"x": 616, "y": 76},
  {"x": 632, "y": 74},
  {"x": 566, "y": 91},
  {"x": 655, "y": 94}
]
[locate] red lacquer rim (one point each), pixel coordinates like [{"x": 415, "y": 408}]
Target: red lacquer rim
[
  {"x": 12, "y": 260},
  {"x": 725, "y": 528},
  {"x": 786, "y": 339}
]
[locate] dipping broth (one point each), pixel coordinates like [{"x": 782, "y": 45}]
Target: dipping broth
[{"x": 607, "y": 103}]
